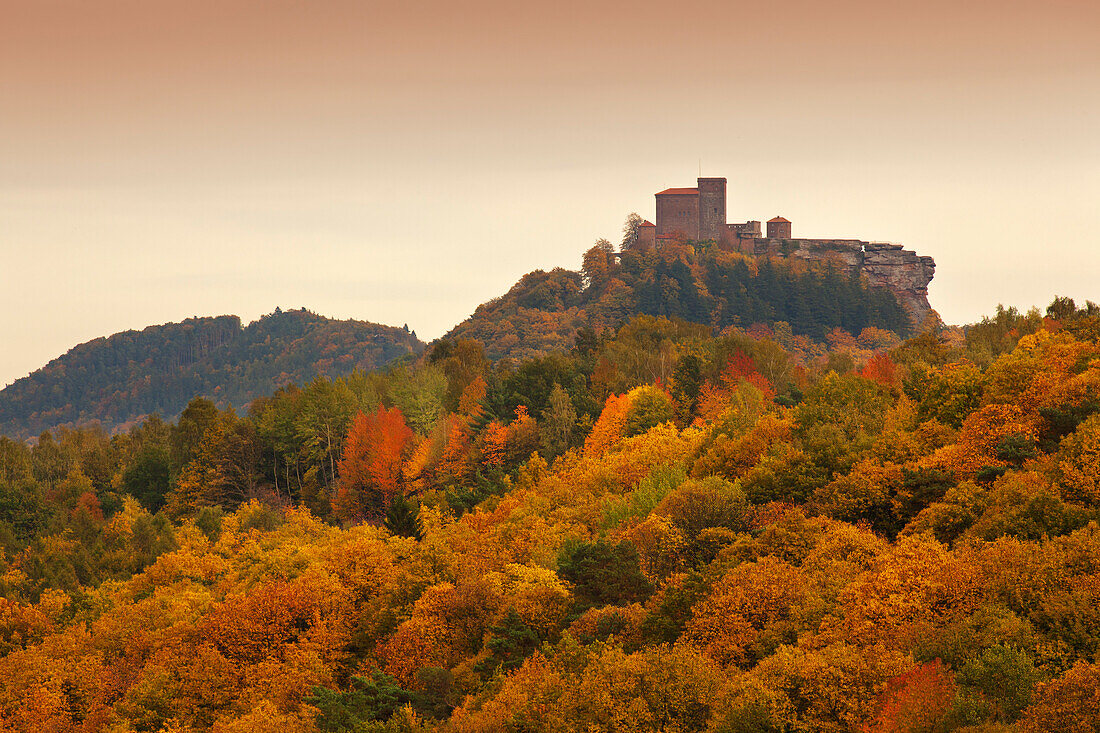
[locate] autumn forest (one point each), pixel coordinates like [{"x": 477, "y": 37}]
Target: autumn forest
[{"x": 711, "y": 512}]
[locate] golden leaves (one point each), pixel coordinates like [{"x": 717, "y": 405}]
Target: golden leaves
[
  {"x": 1080, "y": 463},
  {"x": 752, "y": 610}
]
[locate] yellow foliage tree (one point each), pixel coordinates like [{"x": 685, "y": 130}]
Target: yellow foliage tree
[
  {"x": 834, "y": 688},
  {"x": 752, "y": 610},
  {"x": 1080, "y": 463}
]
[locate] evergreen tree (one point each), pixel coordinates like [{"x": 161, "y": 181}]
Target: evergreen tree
[
  {"x": 603, "y": 573},
  {"x": 403, "y": 518},
  {"x": 366, "y": 700},
  {"x": 510, "y": 642}
]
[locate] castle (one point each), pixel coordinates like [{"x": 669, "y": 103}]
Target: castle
[{"x": 699, "y": 214}]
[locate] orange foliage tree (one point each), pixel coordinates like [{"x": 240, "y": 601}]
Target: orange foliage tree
[
  {"x": 1070, "y": 703},
  {"x": 918, "y": 699},
  {"x": 753, "y": 609},
  {"x": 371, "y": 467},
  {"x": 494, "y": 443},
  {"x": 881, "y": 368},
  {"x": 609, "y": 427}
]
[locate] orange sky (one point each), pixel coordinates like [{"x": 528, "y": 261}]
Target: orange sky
[{"x": 165, "y": 159}]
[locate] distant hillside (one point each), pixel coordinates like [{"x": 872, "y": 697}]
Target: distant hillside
[
  {"x": 157, "y": 370},
  {"x": 542, "y": 312}
]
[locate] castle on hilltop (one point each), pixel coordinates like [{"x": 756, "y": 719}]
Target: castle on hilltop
[{"x": 699, "y": 214}]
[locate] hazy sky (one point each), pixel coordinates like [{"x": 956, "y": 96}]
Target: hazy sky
[{"x": 160, "y": 159}]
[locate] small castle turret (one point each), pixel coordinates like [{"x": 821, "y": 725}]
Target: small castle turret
[
  {"x": 779, "y": 228},
  {"x": 647, "y": 235}
]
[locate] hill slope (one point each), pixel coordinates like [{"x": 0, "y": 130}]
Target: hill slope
[
  {"x": 120, "y": 378},
  {"x": 542, "y": 312}
]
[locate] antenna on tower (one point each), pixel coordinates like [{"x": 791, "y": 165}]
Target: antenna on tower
[{"x": 700, "y": 167}]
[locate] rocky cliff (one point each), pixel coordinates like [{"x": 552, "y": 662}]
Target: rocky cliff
[{"x": 901, "y": 271}]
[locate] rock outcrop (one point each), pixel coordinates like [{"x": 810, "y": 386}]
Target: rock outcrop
[
  {"x": 901, "y": 271},
  {"x": 905, "y": 273}
]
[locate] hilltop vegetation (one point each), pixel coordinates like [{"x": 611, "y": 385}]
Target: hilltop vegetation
[
  {"x": 123, "y": 378},
  {"x": 132, "y": 374},
  {"x": 659, "y": 530},
  {"x": 694, "y": 281}
]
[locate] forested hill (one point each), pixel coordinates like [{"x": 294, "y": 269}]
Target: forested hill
[
  {"x": 157, "y": 370},
  {"x": 542, "y": 312},
  {"x": 118, "y": 379}
]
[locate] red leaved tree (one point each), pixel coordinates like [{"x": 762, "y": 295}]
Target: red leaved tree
[
  {"x": 881, "y": 368},
  {"x": 916, "y": 700}
]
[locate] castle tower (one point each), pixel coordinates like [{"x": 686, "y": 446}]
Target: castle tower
[
  {"x": 712, "y": 208},
  {"x": 779, "y": 228}
]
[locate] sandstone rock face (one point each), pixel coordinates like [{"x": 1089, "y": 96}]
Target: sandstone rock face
[{"x": 903, "y": 272}]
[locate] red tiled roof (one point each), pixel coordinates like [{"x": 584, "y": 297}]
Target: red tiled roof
[
  {"x": 677, "y": 191},
  {"x": 647, "y": 223},
  {"x": 778, "y": 219}
]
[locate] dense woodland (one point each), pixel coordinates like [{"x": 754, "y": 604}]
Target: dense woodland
[
  {"x": 694, "y": 281},
  {"x": 658, "y": 530},
  {"x": 159, "y": 369}
]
